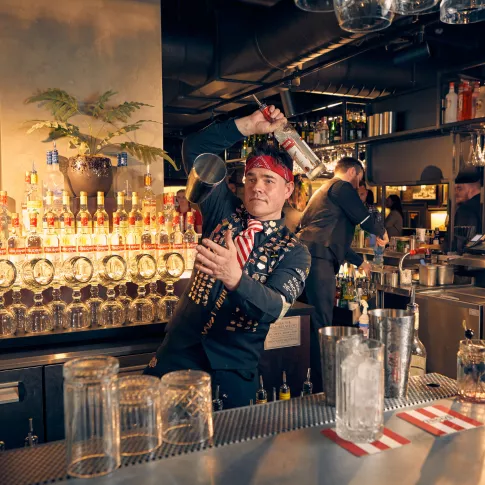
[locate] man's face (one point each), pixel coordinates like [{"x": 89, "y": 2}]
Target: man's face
[
  {"x": 362, "y": 193},
  {"x": 265, "y": 193},
  {"x": 355, "y": 177},
  {"x": 181, "y": 199},
  {"x": 461, "y": 193}
]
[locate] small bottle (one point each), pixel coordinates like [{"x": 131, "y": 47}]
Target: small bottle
[
  {"x": 307, "y": 389},
  {"x": 84, "y": 220},
  {"x": 133, "y": 239},
  {"x": 52, "y": 245},
  {"x": 68, "y": 236},
  {"x": 120, "y": 216},
  {"x": 285, "y": 394},
  {"x": 364, "y": 319},
  {"x": 66, "y": 219},
  {"x": 35, "y": 202},
  {"x": 136, "y": 213},
  {"x": 100, "y": 218},
  {"x": 261, "y": 394},
  {"x": 418, "y": 350},
  {"x": 148, "y": 245},
  {"x": 149, "y": 202},
  {"x": 190, "y": 242},
  {"x": 16, "y": 244},
  {"x": 31, "y": 440},
  {"x": 451, "y": 109},
  {"x": 117, "y": 240},
  {"x": 34, "y": 243},
  {"x": 50, "y": 218},
  {"x": 123, "y": 178},
  {"x": 162, "y": 238},
  {"x": 176, "y": 237}
]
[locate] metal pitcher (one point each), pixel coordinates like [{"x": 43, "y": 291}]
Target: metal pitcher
[
  {"x": 207, "y": 173},
  {"x": 328, "y": 337},
  {"x": 395, "y": 329}
]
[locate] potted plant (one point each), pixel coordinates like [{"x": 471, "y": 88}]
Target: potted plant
[{"x": 90, "y": 170}]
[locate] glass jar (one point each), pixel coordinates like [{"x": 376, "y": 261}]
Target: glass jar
[
  {"x": 470, "y": 372},
  {"x": 91, "y": 416}
]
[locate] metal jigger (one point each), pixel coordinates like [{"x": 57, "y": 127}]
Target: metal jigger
[
  {"x": 37, "y": 275},
  {"x": 142, "y": 269},
  {"x": 170, "y": 268},
  {"x": 77, "y": 272},
  {"x": 8, "y": 274},
  {"x": 112, "y": 270}
]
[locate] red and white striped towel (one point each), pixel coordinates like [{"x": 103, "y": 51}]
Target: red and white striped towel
[
  {"x": 439, "y": 420},
  {"x": 387, "y": 441}
]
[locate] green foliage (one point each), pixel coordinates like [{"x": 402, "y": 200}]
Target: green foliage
[{"x": 63, "y": 106}]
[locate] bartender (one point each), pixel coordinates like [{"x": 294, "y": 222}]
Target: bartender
[
  {"x": 249, "y": 268},
  {"x": 467, "y": 195},
  {"x": 327, "y": 228}
]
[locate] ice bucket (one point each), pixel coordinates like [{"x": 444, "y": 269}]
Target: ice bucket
[
  {"x": 328, "y": 337},
  {"x": 207, "y": 173},
  {"x": 395, "y": 329}
]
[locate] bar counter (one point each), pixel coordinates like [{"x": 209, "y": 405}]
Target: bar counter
[{"x": 282, "y": 443}]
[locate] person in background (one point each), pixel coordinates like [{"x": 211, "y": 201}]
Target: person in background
[
  {"x": 394, "y": 221},
  {"x": 232, "y": 187},
  {"x": 183, "y": 207},
  {"x": 467, "y": 194},
  {"x": 363, "y": 192},
  {"x": 327, "y": 229}
]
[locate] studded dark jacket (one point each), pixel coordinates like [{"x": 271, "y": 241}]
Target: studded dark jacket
[{"x": 232, "y": 326}]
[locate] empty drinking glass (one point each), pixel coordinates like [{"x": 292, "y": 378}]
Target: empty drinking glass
[
  {"x": 360, "y": 389},
  {"x": 364, "y": 15},
  {"x": 140, "y": 414},
  {"x": 186, "y": 407},
  {"x": 462, "y": 11},
  {"x": 91, "y": 416}
]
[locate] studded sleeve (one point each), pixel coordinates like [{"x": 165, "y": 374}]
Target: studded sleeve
[{"x": 268, "y": 302}]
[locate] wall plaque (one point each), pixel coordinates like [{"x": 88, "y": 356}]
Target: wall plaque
[{"x": 283, "y": 333}]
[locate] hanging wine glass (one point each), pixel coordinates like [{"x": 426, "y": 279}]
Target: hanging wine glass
[
  {"x": 112, "y": 270},
  {"x": 170, "y": 268},
  {"x": 362, "y": 16},
  {"x": 142, "y": 269},
  {"x": 457, "y": 12},
  {"x": 412, "y": 7},
  {"x": 37, "y": 275},
  {"x": 77, "y": 273},
  {"x": 315, "y": 5},
  {"x": 8, "y": 274}
]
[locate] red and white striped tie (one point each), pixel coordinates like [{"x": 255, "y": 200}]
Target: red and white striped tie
[{"x": 244, "y": 241}]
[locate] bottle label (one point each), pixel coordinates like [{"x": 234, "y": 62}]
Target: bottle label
[
  {"x": 102, "y": 248},
  {"x": 285, "y": 396},
  {"x": 34, "y": 250},
  {"x": 297, "y": 155},
  {"x": 16, "y": 251},
  {"x": 3, "y": 199},
  {"x": 163, "y": 247},
  {"x": 52, "y": 249},
  {"x": 87, "y": 249},
  {"x": 116, "y": 220},
  {"x": 149, "y": 247},
  {"x": 168, "y": 198},
  {"x": 131, "y": 220},
  {"x": 50, "y": 220},
  {"x": 66, "y": 221},
  {"x": 84, "y": 220},
  {"x": 99, "y": 221},
  {"x": 118, "y": 247},
  {"x": 3, "y": 251},
  {"x": 178, "y": 247},
  {"x": 68, "y": 249},
  {"x": 133, "y": 247},
  {"x": 418, "y": 366}
]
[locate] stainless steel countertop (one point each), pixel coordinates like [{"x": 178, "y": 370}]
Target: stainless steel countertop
[
  {"x": 406, "y": 290},
  {"x": 307, "y": 457}
]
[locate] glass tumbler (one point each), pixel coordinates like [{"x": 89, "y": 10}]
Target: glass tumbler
[
  {"x": 360, "y": 389},
  {"x": 470, "y": 373},
  {"x": 186, "y": 407},
  {"x": 140, "y": 414},
  {"x": 91, "y": 416}
]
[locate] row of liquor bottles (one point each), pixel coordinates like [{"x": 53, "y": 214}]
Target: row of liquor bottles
[
  {"x": 466, "y": 103},
  {"x": 64, "y": 234},
  {"x": 318, "y": 132},
  {"x": 350, "y": 289}
]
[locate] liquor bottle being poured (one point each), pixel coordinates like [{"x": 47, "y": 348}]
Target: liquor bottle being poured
[{"x": 299, "y": 151}]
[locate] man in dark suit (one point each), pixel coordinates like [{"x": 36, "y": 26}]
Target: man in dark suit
[{"x": 327, "y": 229}]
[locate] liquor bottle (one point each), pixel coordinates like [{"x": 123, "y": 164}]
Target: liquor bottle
[
  {"x": 325, "y": 140},
  {"x": 317, "y": 136},
  {"x": 34, "y": 203},
  {"x": 459, "y": 111},
  {"x": 475, "y": 96},
  {"x": 84, "y": 220},
  {"x": 136, "y": 213},
  {"x": 418, "y": 350},
  {"x": 285, "y": 394},
  {"x": 351, "y": 126},
  {"x": 24, "y": 210},
  {"x": 298, "y": 150},
  {"x": 100, "y": 236},
  {"x": 16, "y": 244},
  {"x": 120, "y": 216},
  {"x": 244, "y": 148},
  {"x": 311, "y": 133},
  {"x": 123, "y": 178},
  {"x": 50, "y": 218},
  {"x": 117, "y": 240},
  {"x": 361, "y": 128},
  {"x": 68, "y": 236},
  {"x": 176, "y": 237},
  {"x": 304, "y": 132},
  {"x": 149, "y": 202},
  {"x": 163, "y": 239},
  {"x": 467, "y": 100},
  {"x": 5, "y": 216},
  {"x": 52, "y": 245},
  {"x": 331, "y": 130},
  {"x": 66, "y": 219},
  {"x": 337, "y": 137},
  {"x": 307, "y": 389},
  {"x": 261, "y": 394},
  {"x": 451, "y": 105},
  {"x": 190, "y": 242},
  {"x": 101, "y": 218},
  {"x": 48, "y": 169},
  {"x": 148, "y": 244},
  {"x": 480, "y": 109},
  {"x": 34, "y": 244},
  {"x": 55, "y": 181},
  {"x": 133, "y": 238}
]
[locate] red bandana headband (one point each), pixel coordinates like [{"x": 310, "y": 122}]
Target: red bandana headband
[{"x": 269, "y": 163}]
